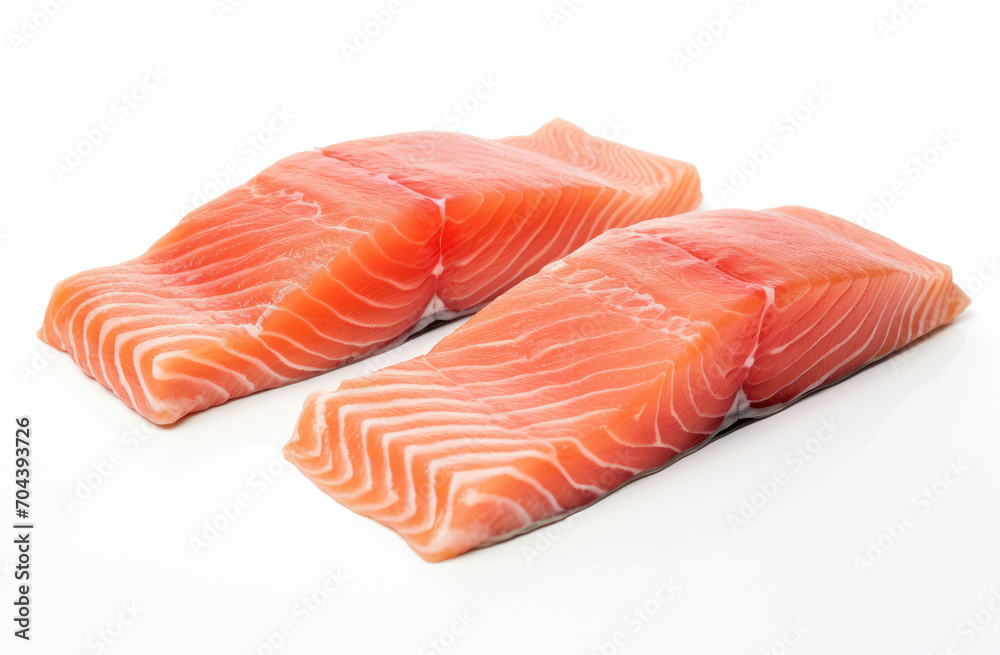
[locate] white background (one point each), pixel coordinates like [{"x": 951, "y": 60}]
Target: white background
[{"x": 611, "y": 67}]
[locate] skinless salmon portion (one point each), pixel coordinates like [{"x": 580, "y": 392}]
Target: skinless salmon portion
[
  {"x": 330, "y": 255},
  {"x": 607, "y": 364}
]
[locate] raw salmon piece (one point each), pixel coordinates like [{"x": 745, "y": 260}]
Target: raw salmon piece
[
  {"x": 330, "y": 255},
  {"x": 604, "y": 366}
]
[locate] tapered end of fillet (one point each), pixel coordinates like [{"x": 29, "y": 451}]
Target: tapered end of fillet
[
  {"x": 959, "y": 301},
  {"x": 46, "y": 332},
  {"x": 294, "y": 450},
  {"x": 43, "y": 336},
  {"x": 559, "y": 123},
  {"x": 305, "y": 447}
]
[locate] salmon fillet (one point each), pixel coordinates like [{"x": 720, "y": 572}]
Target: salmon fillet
[
  {"x": 327, "y": 256},
  {"x": 609, "y": 363}
]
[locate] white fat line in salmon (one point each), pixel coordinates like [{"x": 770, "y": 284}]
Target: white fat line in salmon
[
  {"x": 639, "y": 348},
  {"x": 331, "y": 255}
]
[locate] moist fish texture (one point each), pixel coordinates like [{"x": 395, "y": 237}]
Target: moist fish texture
[
  {"x": 607, "y": 364},
  {"x": 329, "y": 255}
]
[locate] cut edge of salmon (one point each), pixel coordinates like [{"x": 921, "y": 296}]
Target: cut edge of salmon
[
  {"x": 311, "y": 446},
  {"x": 212, "y": 366}
]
